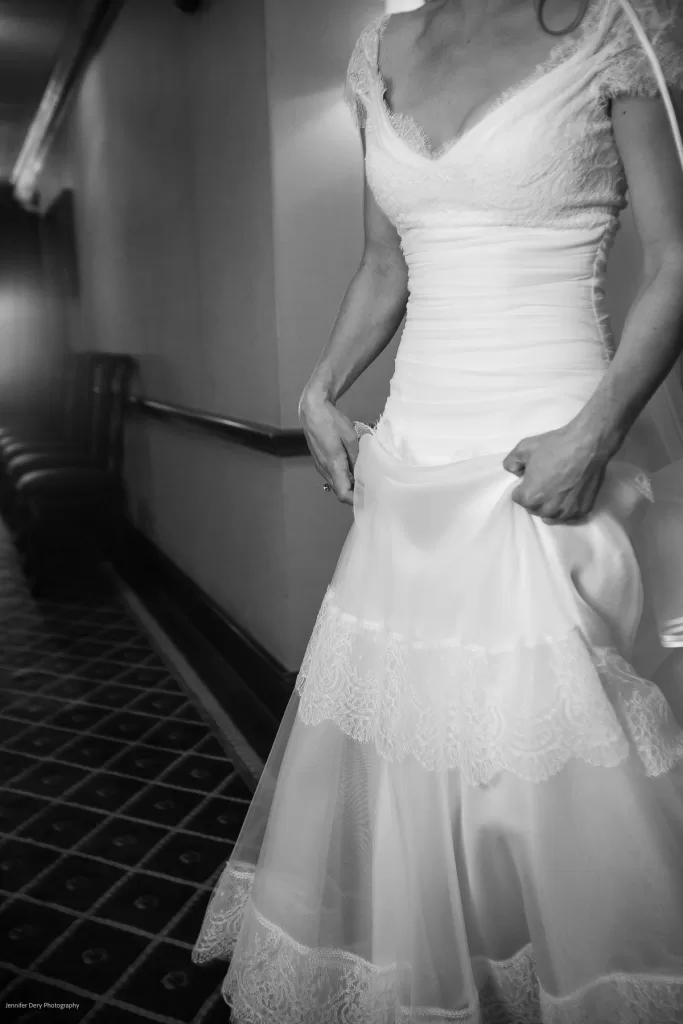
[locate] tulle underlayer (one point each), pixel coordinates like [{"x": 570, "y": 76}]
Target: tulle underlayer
[
  {"x": 422, "y": 898},
  {"x": 285, "y": 982},
  {"x": 473, "y": 810}
]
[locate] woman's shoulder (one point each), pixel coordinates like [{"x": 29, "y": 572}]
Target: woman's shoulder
[
  {"x": 397, "y": 30},
  {"x": 393, "y": 31},
  {"x": 661, "y": 19},
  {"x": 398, "y": 36},
  {"x": 629, "y": 69}
]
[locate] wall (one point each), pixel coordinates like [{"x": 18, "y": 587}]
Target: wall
[{"x": 176, "y": 256}]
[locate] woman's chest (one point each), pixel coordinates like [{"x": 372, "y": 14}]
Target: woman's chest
[
  {"x": 446, "y": 90},
  {"x": 545, "y": 154}
]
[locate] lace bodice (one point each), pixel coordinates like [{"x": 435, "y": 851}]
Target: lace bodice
[{"x": 563, "y": 167}]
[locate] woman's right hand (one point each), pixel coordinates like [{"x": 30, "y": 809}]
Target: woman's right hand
[{"x": 333, "y": 442}]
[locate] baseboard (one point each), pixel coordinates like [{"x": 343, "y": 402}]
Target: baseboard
[
  {"x": 247, "y": 682},
  {"x": 249, "y": 766}
]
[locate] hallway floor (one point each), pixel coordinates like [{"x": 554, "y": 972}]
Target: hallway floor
[{"x": 118, "y": 809}]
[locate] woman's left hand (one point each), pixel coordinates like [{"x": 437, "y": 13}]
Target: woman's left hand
[{"x": 562, "y": 472}]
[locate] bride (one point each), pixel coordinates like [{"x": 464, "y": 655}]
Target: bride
[{"x": 473, "y": 810}]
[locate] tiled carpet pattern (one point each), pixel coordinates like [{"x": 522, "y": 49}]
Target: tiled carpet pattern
[{"x": 119, "y": 807}]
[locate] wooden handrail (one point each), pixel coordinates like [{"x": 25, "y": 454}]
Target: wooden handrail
[{"x": 273, "y": 440}]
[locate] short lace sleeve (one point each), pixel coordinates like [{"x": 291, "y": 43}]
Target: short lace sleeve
[
  {"x": 629, "y": 70},
  {"x": 359, "y": 73}
]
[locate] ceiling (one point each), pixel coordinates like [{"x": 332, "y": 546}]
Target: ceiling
[{"x": 31, "y": 32}]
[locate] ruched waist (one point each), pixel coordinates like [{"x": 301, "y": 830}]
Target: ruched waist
[
  {"x": 534, "y": 295},
  {"x": 520, "y": 255},
  {"x": 505, "y": 328}
]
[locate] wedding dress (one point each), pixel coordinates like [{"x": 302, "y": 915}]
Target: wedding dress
[{"x": 473, "y": 810}]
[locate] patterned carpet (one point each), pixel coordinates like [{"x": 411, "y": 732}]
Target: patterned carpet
[{"x": 118, "y": 808}]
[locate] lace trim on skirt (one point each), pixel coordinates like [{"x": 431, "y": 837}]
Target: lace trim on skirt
[
  {"x": 526, "y": 710},
  {"x": 279, "y": 981}
]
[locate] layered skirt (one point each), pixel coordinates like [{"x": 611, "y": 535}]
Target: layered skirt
[{"x": 473, "y": 810}]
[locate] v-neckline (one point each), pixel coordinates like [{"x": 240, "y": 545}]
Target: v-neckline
[{"x": 433, "y": 154}]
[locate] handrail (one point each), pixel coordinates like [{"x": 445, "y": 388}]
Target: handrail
[
  {"x": 273, "y": 440},
  {"x": 84, "y": 35}
]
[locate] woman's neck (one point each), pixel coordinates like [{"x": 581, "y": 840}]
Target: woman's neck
[
  {"x": 481, "y": 9},
  {"x": 473, "y": 15},
  {"x": 472, "y": 18}
]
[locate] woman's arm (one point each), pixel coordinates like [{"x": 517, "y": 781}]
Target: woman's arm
[
  {"x": 652, "y": 339},
  {"x": 372, "y": 310},
  {"x": 564, "y": 469}
]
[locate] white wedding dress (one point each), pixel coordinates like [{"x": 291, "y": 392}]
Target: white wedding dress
[{"x": 473, "y": 810}]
